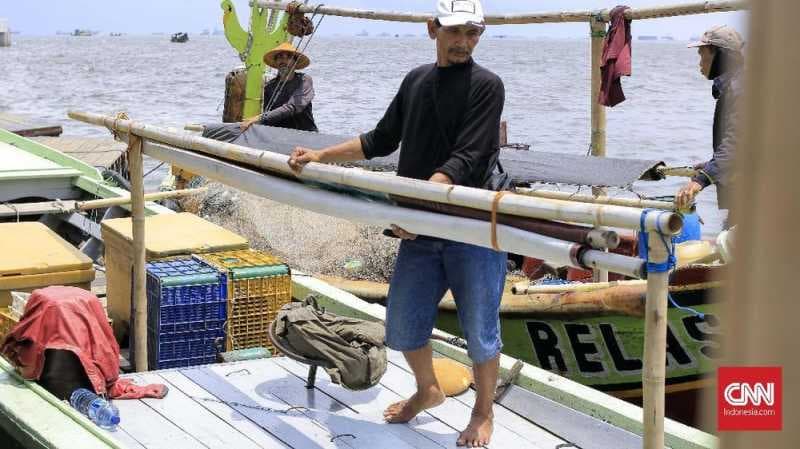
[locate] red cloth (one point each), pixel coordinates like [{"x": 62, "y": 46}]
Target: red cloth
[
  {"x": 70, "y": 318},
  {"x": 616, "y": 60}
]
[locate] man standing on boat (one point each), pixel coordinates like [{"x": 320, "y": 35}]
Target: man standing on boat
[
  {"x": 287, "y": 97},
  {"x": 447, "y": 116},
  {"x": 721, "y": 60}
]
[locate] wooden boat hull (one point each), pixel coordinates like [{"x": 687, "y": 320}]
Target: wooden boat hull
[{"x": 605, "y": 352}]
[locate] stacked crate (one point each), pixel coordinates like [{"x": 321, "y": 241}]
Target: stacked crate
[
  {"x": 259, "y": 284},
  {"x": 168, "y": 235},
  {"x": 186, "y": 310},
  {"x": 7, "y": 322}
]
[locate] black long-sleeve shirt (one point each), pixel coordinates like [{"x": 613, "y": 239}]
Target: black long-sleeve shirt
[
  {"x": 470, "y": 102},
  {"x": 292, "y": 106}
]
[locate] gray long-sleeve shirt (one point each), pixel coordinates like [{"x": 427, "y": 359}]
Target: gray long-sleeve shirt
[
  {"x": 291, "y": 107},
  {"x": 719, "y": 169}
]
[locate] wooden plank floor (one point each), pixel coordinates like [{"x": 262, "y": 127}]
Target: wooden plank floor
[
  {"x": 28, "y": 126},
  {"x": 94, "y": 151},
  {"x": 264, "y": 404}
]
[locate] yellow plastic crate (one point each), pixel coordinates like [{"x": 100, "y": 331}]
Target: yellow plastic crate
[
  {"x": 7, "y": 321},
  {"x": 32, "y": 256},
  {"x": 259, "y": 284}
]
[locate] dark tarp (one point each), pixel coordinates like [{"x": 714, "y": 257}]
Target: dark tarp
[{"x": 525, "y": 167}]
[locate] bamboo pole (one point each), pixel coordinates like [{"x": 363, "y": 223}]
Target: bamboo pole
[
  {"x": 655, "y": 349},
  {"x": 380, "y": 214},
  {"x": 597, "y": 29},
  {"x": 685, "y": 172},
  {"x": 625, "y": 202},
  {"x": 63, "y": 207},
  {"x": 135, "y": 161},
  {"x": 525, "y": 288},
  {"x": 655, "y": 12},
  {"x": 109, "y": 202},
  {"x": 519, "y": 205}
]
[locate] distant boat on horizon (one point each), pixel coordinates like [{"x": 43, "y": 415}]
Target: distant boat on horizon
[
  {"x": 648, "y": 38},
  {"x": 83, "y": 33},
  {"x": 205, "y": 32},
  {"x": 667, "y": 38},
  {"x": 179, "y": 38},
  {"x": 363, "y": 33}
]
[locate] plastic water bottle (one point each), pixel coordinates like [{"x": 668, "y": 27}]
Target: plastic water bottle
[{"x": 100, "y": 411}]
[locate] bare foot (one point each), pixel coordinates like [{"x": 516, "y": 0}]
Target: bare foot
[
  {"x": 478, "y": 431},
  {"x": 405, "y": 411}
]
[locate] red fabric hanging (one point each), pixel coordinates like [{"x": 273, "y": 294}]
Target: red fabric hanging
[{"x": 616, "y": 59}]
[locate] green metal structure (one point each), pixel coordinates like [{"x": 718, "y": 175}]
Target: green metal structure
[{"x": 267, "y": 30}]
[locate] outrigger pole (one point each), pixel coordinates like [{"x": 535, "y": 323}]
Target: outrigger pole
[
  {"x": 654, "y": 12},
  {"x": 669, "y": 223}
]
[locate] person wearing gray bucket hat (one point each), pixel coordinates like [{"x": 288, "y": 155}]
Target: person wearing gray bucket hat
[{"x": 721, "y": 60}]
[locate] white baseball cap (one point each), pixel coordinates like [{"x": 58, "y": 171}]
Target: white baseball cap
[{"x": 460, "y": 12}]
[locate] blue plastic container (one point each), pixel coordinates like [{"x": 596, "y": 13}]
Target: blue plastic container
[
  {"x": 692, "y": 228},
  {"x": 186, "y": 310}
]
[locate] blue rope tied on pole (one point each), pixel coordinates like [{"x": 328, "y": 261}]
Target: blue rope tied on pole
[
  {"x": 669, "y": 264},
  {"x": 644, "y": 251}
]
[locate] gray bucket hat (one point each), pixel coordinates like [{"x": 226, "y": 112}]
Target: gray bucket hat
[{"x": 721, "y": 36}]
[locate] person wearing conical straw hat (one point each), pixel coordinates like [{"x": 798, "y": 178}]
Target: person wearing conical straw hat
[
  {"x": 445, "y": 118},
  {"x": 287, "y": 97},
  {"x": 721, "y": 60}
]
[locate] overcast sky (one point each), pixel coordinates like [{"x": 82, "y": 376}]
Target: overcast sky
[{"x": 45, "y": 17}]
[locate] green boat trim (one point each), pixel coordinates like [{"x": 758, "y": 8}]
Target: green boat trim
[
  {"x": 83, "y": 176},
  {"x": 36, "y": 419}
]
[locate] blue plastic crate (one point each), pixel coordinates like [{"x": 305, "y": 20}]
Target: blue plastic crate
[{"x": 186, "y": 311}]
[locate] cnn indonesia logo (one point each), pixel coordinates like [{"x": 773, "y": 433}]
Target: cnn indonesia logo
[{"x": 749, "y": 398}]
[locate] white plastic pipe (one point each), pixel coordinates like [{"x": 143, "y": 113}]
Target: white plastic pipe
[{"x": 465, "y": 230}]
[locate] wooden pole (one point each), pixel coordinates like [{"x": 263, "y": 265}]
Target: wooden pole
[
  {"x": 683, "y": 9},
  {"x": 109, "y": 202},
  {"x": 598, "y": 34},
  {"x": 63, "y": 207},
  {"x": 625, "y": 202},
  {"x": 597, "y": 29},
  {"x": 135, "y": 161},
  {"x": 655, "y": 349}
]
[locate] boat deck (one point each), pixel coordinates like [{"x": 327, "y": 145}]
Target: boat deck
[
  {"x": 27, "y": 127},
  {"x": 95, "y": 151},
  {"x": 265, "y": 404}
]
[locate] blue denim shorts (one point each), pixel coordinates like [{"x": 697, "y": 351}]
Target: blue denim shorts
[{"x": 424, "y": 270}]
